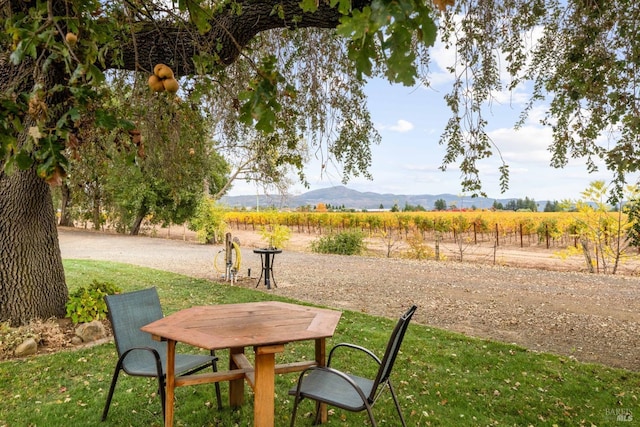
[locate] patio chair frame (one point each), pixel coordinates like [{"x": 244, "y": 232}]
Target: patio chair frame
[
  {"x": 131, "y": 305},
  {"x": 347, "y": 391}
]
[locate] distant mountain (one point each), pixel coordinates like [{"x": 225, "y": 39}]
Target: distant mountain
[{"x": 352, "y": 199}]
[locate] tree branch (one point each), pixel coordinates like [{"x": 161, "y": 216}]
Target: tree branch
[{"x": 176, "y": 45}]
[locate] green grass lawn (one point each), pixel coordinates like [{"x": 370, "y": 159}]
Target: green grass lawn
[{"x": 442, "y": 378}]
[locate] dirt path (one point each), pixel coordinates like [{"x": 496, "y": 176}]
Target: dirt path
[{"x": 590, "y": 317}]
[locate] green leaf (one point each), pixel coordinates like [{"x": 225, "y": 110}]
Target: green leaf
[
  {"x": 106, "y": 120},
  {"x": 427, "y": 27},
  {"x": 24, "y": 48},
  {"x": 94, "y": 74},
  {"x": 400, "y": 63},
  {"x": 309, "y": 6},
  {"x": 23, "y": 160},
  {"x": 278, "y": 10},
  {"x": 362, "y": 55},
  {"x": 73, "y": 114},
  {"x": 356, "y": 26},
  {"x": 344, "y": 6},
  {"x": 45, "y": 169},
  {"x": 197, "y": 14}
]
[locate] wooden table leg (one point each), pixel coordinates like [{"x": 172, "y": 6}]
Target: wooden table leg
[
  {"x": 236, "y": 387},
  {"x": 321, "y": 360},
  {"x": 264, "y": 391},
  {"x": 170, "y": 383}
]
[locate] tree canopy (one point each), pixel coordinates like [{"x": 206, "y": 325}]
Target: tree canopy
[
  {"x": 297, "y": 83},
  {"x": 284, "y": 80}
]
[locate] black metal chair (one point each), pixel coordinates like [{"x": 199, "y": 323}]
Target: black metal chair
[
  {"x": 138, "y": 353},
  {"x": 348, "y": 391}
]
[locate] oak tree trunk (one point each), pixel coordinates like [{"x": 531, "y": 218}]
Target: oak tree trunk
[{"x": 32, "y": 282}]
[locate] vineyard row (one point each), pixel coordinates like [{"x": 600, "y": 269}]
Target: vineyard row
[{"x": 499, "y": 228}]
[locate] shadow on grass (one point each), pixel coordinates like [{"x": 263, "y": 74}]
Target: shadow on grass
[{"x": 441, "y": 378}]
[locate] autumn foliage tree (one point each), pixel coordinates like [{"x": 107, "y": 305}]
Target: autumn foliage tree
[{"x": 604, "y": 232}]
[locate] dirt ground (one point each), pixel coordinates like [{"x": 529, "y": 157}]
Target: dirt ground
[{"x": 528, "y": 297}]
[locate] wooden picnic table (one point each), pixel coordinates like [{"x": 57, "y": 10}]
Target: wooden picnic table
[{"x": 265, "y": 326}]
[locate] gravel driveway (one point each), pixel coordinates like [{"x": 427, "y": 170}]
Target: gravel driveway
[{"x": 593, "y": 318}]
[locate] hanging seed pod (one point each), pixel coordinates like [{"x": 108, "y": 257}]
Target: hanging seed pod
[
  {"x": 170, "y": 85},
  {"x": 155, "y": 83},
  {"x": 72, "y": 39},
  {"x": 163, "y": 71}
]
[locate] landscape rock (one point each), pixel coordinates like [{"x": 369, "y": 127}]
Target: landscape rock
[
  {"x": 92, "y": 331},
  {"x": 27, "y": 348}
]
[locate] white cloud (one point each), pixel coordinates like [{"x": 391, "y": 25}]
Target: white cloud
[
  {"x": 527, "y": 145},
  {"x": 428, "y": 167},
  {"x": 401, "y": 126}
]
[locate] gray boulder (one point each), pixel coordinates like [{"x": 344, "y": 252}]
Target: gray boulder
[
  {"x": 27, "y": 348},
  {"x": 92, "y": 331}
]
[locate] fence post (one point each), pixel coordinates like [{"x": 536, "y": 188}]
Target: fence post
[
  {"x": 475, "y": 234},
  {"x": 546, "y": 228},
  {"x": 521, "y": 228},
  {"x": 497, "y": 236}
]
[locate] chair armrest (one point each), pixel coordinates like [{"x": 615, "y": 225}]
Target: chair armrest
[
  {"x": 353, "y": 347},
  {"x": 212, "y": 353},
  {"x": 152, "y": 350}
]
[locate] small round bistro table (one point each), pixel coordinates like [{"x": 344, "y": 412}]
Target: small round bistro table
[{"x": 267, "y": 257}]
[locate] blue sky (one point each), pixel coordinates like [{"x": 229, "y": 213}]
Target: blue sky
[{"x": 410, "y": 122}]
